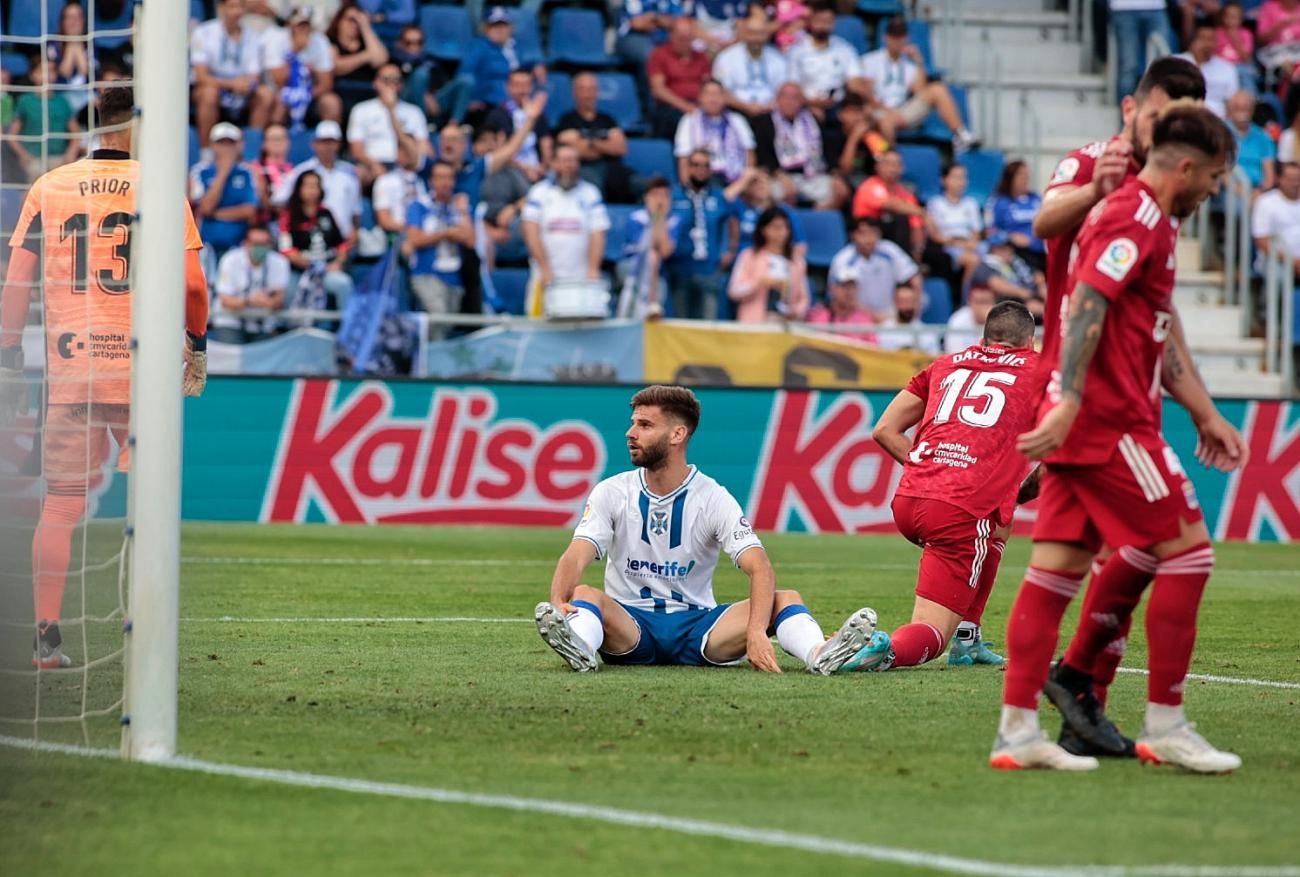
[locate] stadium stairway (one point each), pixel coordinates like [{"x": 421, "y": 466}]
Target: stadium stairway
[{"x": 1232, "y": 365}]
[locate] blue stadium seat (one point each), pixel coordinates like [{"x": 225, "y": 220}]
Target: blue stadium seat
[
  {"x": 933, "y": 127},
  {"x": 919, "y": 32},
  {"x": 617, "y": 234},
  {"x": 198, "y": 12},
  {"x": 577, "y": 36},
  {"x": 618, "y": 97},
  {"x": 983, "y": 169},
  {"x": 193, "y": 155},
  {"x": 512, "y": 289},
  {"x": 824, "y": 232},
  {"x": 876, "y": 8},
  {"x": 25, "y": 17},
  {"x": 14, "y": 62},
  {"x": 938, "y": 301},
  {"x": 559, "y": 95},
  {"x": 447, "y": 29},
  {"x": 853, "y": 29},
  {"x": 649, "y": 157},
  {"x": 528, "y": 36},
  {"x": 921, "y": 165},
  {"x": 121, "y": 23},
  {"x": 252, "y": 143},
  {"x": 300, "y": 146}
]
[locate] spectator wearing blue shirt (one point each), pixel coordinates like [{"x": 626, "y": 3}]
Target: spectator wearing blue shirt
[
  {"x": 471, "y": 168},
  {"x": 697, "y": 269},
  {"x": 650, "y": 241},
  {"x": 224, "y": 193},
  {"x": 438, "y": 231},
  {"x": 490, "y": 58},
  {"x": 1256, "y": 151},
  {"x": 391, "y": 13},
  {"x": 754, "y": 198},
  {"x": 1012, "y": 210}
]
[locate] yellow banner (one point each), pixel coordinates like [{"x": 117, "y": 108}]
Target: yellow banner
[{"x": 685, "y": 352}]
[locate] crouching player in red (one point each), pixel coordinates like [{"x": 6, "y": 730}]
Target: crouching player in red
[
  {"x": 1110, "y": 477},
  {"x": 962, "y": 478}
]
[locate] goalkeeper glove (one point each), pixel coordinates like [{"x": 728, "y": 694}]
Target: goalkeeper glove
[
  {"x": 14, "y": 398},
  {"x": 196, "y": 364}
]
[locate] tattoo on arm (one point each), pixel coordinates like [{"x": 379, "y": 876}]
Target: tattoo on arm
[
  {"x": 1174, "y": 369},
  {"x": 1083, "y": 333}
]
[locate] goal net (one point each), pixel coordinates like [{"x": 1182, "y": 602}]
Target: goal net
[{"x": 79, "y": 427}]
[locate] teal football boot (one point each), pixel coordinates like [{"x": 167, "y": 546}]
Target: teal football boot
[
  {"x": 875, "y": 657},
  {"x": 977, "y": 651}
]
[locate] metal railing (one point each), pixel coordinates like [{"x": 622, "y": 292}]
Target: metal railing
[
  {"x": 990, "y": 123},
  {"x": 1279, "y": 314},
  {"x": 1238, "y": 196}
]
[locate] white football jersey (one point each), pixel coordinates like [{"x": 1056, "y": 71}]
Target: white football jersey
[{"x": 660, "y": 551}]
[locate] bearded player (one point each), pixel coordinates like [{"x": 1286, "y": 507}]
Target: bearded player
[
  {"x": 77, "y": 223},
  {"x": 1080, "y": 684},
  {"x": 1110, "y": 478},
  {"x": 962, "y": 478},
  {"x": 660, "y": 529}
]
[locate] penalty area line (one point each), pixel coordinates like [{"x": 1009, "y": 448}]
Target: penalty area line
[{"x": 656, "y": 821}]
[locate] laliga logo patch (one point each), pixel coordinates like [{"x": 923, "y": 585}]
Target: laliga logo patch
[
  {"x": 1118, "y": 258},
  {"x": 1066, "y": 170},
  {"x": 659, "y": 523},
  {"x": 586, "y": 514}
]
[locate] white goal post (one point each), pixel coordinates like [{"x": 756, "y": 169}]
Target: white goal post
[{"x": 158, "y": 315}]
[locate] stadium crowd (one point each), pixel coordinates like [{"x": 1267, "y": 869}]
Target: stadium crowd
[{"x": 728, "y": 160}]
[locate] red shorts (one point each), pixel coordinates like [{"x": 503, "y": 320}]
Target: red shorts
[
  {"x": 956, "y": 549},
  {"x": 76, "y": 442},
  {"x": 1140, "y": 497}
]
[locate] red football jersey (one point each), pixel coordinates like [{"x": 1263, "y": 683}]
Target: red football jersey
[
  {"x": 1126, "y": 252},
  {"x": 1075, "y": 169},
  {"x": 976, "y": 403}
]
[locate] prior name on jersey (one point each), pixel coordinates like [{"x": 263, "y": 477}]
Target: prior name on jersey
[
  {"x": 976, "y": 403},
  {"x": 660, "y": 551},
  {"x": 79, "y": 219},
  {"x": 1126, "y": 252}
]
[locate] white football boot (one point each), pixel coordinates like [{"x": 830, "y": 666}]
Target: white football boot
[
  {"x": 853, "y": 634},
  {"x": 1036, "y": 751},
  {"x": 556, "y": 633},
  {"x": 1182, "y": 746}
]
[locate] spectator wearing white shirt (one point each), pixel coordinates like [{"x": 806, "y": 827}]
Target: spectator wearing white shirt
[
  {"x": 395, "y": 191},
  {"x": 383, "y": 126},
  {"x": 966, "y": 325},
  {"x": 906, "y": 95},
  {"x": 250, "y": 276},
  {"x": 724, "y": 134},
  {"x": 953, "y": 219},
  {"x": 226, "y": 68},
  {"x": 751, "y": 71},
  {"x": 338, "y": 177},
  {"x": 881, "y": 266},
  {"x": 1276, "y": 215},
  {"x": 793, "y": 145},
  {"x": 564, "y": 223},
  {"x": 300, "y": 62},
  {"x": 437, "y": 230},
  {"x": 1222, "y": 79},
  {"x": 825, "y": 65},
  {"x": 902, "y": 328}
]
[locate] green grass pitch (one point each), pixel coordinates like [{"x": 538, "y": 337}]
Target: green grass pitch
[{"x": 895, "y": 760}]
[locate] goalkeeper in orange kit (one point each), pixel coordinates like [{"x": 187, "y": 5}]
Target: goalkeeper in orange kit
[{"x": 77, "y": 222}]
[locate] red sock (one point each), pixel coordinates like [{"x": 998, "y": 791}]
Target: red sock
[
  {"x": 1171, "y": 621},
  {"x": 1033, "y": 632},
  {"x": 988, "y": 575},
  {"x": 1107, "y": 663},
  {"x": 915, "y": 643},
  {"x": 51, "y": 550},
  {"x": 1112, "y": 596}
]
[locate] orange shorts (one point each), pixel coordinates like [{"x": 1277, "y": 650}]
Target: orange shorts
[{"x": 76, "y": 442}]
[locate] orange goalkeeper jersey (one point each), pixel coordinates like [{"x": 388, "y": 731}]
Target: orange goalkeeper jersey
[{"x": 79, "y": 219}]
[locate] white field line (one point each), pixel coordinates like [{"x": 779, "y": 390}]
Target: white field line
[
  {"x": 462, "y": 619},
  {"x": 199, "y": 560},
  {"x": 638, "y": 819}
]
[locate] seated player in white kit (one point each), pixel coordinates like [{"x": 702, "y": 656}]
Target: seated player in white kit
[{"x": 660, "y": 528}]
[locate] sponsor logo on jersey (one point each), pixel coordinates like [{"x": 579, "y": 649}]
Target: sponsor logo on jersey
[
  {"x": 919, "y": 453},
  {"x": 743, "y": 529},
  {"x": 1067, "y": 170},
  {"x": 353, "y": 460},
  {"x": 1118, "y": 258},
  {"x": 664, "y": 569},
  {"x": 586, "y": 514}
]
